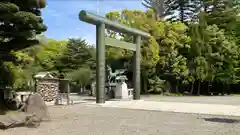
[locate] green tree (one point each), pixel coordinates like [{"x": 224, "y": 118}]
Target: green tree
[
  {"x": 77, "y": 54},
  {"x": 20, "y": 23},
  {"x": 182, "y": 10},
  {"x": 213, "y": 55},
  {"x": 157, "y": 85},
  {"x": 163, "y": 50},
  {"x": 81, "y": 77},
  {"x": 173, "y": 43},
  {"x": 196, "y": 60},
  {"x": 47, "y": 55},
  {"x": 140, "y": 20},
  {"x": 158, "y": 6},
  {"x": 223, "y": 13},
  {"x": 224, "y": 54}
]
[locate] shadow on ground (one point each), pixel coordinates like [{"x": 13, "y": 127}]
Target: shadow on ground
[
  {"x": 222, "y": 120},
  {"x": 89, "y": 99}
]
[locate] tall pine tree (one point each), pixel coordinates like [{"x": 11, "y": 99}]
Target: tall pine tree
[
  {"x": 158, "y": 6},
  {"x": 20, "y": 22},
  {"x": 182, "y": 10},
  {"x": 223, "y": 13}
]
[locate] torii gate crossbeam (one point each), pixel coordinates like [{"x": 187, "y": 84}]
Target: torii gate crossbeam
[{"x": 101, "y": 41}]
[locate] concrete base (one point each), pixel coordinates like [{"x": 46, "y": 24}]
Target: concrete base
[
  {"x": 122, "y": 99},
  {"x": 122, "y": 91},
  {"x": 50, "y": 103}
]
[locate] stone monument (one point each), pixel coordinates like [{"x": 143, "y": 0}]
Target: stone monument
[
  {"x": 121, "y": 91},
  {"x": 47, "y": 86},
  {"x": 114, "y": 80}
]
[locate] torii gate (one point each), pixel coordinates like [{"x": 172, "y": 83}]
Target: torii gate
[{"x": 102, "y": 24}]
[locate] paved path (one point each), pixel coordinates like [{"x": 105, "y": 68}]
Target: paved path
[
  {"x": 218, "y": 105},
  {"x": 81, "y": 120},
  {"x": 225, "y": 100},
  {"x": 213, "y": 109}
]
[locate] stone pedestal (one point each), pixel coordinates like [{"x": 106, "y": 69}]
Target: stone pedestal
[
  {"x": 93, "y": 89},
  {"x": 121, "y": 91}
]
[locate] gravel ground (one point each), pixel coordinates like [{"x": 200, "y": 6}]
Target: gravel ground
[{"x": 90, "y": 120}]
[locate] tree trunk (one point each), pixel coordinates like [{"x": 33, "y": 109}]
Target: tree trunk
[
  {"x": 208, "y": 87},
  {"x": 223, "y": 90},
  {"x": 81, "y": 88},
  {"x": 182, "y": 16},
  {"x": 145, "y": 85},
  {"x": 91, "y": 90},
  {"x": 199, "y": 86},
  {"x": 192, "y": 87},
  {"x": 182, "y": 12},
  {"x": 170, "y": 88},
  {"x": 177, "y": 86},
  {"x": 156, "y": 16},
  {"x": 158, "y": 7},
  {"x": 144, "y": 77}
]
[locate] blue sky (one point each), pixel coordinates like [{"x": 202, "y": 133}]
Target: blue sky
[{"x": 61, "y": 16}]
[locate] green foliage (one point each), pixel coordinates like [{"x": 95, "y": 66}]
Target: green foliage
[
  {"x": 136, "y": 19},
  {"x": 157, "y": 85},
  {"x": 201, "y": 68},
  {"x": 77, "y": 54},
  {"x": 158, "y": 6},
  {"x": 150, "y": 51},
  {"x": 173, "y": 45},
  {"x": 205, "y": 49},
  {"x": 82, "y": 76},
  {"x": 182, "y": 10},
  {"x": 199, "y": 41},
  {"x": 6, "y": 72},
  {"x": 161, "y": 49},
  {"x": 48, "y": 54},
  {"x": 221, "y": 13},
  {"x": 18, "y": 78},
  {"x": 225, "y": 53},
  {"x": 20, "y": 23}
]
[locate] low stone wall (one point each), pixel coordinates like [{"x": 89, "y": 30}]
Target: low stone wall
[
  {"x": 52, "y": 90},
  {"x": 48, "y": 89}
]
